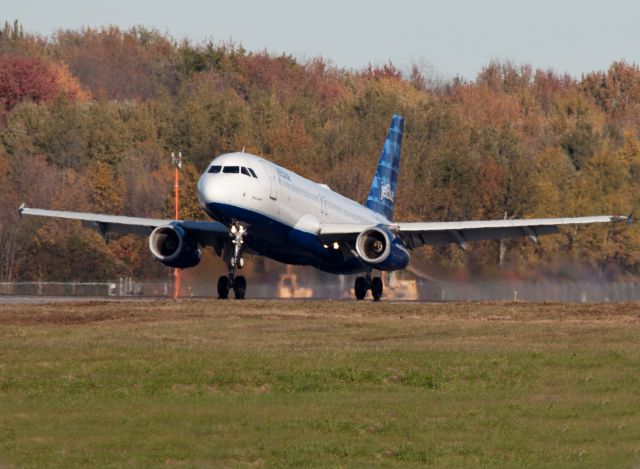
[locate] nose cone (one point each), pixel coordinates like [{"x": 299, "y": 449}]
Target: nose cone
[{"x": 210, "y": 189}]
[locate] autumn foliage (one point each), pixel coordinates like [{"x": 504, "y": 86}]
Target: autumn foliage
[
  {"x": 88, "y": 118},
  {"x": 25, "y": 78},
  {"x": 34, "y": 79}
]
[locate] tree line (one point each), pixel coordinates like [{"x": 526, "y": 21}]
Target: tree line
[{"x": 88, "y": 118}]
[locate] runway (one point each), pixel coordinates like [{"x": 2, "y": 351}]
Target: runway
[{"x": 36, "y": 300}]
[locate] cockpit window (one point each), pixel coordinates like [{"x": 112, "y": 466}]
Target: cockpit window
[
  {"x": 244, "y": 171},
  {"x": 215, "y": 169},
  {"x": 231, "y": 169},
  {"x": 252, "y": 173}
]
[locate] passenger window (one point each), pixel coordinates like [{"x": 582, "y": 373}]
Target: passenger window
[
  {"x": 231, "y": 169},
  {"x": 215, "y": 169},
  {"x": 244, "y": 171},
  {"x": 252, "y": 173}
]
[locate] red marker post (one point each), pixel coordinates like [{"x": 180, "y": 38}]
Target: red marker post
[{"x": 176, "y": 162}]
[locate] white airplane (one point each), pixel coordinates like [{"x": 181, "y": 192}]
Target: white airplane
[{"x": 262, "y": 208}]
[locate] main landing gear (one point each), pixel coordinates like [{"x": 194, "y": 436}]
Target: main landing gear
[
  {"x": 234, "y": 261},
  {"x": 367, "y": 283}
]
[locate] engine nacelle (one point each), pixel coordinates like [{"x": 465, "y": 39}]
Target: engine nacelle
[
  {"x": 171, "y": 245},
  {"x": 381, "y": 249}
]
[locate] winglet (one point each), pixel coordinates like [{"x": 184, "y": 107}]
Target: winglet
[
  {"x": 629, "y": 219},
  {"x": 21, "y": 209}
]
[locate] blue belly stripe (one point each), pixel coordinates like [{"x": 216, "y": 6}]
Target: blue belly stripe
[{"x": 278, "y": 241}]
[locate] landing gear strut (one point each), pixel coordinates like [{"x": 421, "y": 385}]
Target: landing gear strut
[
  {"x": 368, "y": 283},
  {"x": 234, "y": 261}
]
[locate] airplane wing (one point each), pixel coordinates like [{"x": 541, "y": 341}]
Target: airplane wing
[
  {"x": 205, "y": 232},
  {"x": 416, "y": 234}
]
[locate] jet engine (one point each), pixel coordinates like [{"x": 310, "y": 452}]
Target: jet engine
[
  {"x": 171, "y": 245},
  {"x": 381, "y": 249}
]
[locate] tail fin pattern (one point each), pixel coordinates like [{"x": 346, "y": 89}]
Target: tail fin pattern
[{"x": 383, "y": 188}]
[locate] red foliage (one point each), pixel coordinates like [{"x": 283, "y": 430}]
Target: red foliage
[
  {"x": 386, "y": 71},
  {"x": 25, "y": 78},
  {"x": 547, "y": 85},
  {"x": 325, "y": 80},
  {"x": 282, "y": 75},
  {"x": 616, "y": 89},
  {"x": 114, "y": 64}
]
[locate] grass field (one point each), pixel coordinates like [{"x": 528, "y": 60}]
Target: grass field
[{"x": 259, "y": 383}]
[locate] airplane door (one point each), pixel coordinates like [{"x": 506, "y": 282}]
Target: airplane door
[{"x": 273, "y": 179}]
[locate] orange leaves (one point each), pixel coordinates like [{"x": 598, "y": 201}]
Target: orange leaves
[
  {"x": 67, "y": 83},
  {"x": 114, "y": 64},
  {"x": 288, "y": 140},
  {"x": 492, "y": 186},
  {"x": 107, "y": 189},
  {"x": 483, "y": 106},
  {"x": 616, "y": 88}
]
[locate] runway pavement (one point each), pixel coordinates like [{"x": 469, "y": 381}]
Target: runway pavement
[{"x": 23, "y": 300}]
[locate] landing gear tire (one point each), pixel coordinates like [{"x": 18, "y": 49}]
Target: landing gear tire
[
  {"x": 376, "y": 288},
  {"x": 360, "y": 288},
  {"x": 233, "y": 258},
  {"x": 223, "y": 287},
  {"x": 240, "y": 287}
]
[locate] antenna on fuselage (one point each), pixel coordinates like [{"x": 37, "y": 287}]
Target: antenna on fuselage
[{"x": 242, "y": 149}]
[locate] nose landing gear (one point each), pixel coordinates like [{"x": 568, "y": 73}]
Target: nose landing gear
[
  {"x": 234, "y": 261},
  {"x": 367, "y": 283}
]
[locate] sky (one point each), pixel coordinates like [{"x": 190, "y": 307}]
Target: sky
[{"x": 445, "y": 38}]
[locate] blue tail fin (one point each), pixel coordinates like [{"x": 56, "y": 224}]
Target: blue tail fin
[{"x": 383, "y": 188}]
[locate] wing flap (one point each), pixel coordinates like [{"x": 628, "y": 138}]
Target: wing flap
[
  {"x": 419, "y": 238},
  {"x": 206, "y": 232},
  {"x": 519, "y": 223},
  {"x": 416, "y": 234}
]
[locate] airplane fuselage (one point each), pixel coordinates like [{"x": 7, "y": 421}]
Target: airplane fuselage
[{"x": 282, "y": 210}]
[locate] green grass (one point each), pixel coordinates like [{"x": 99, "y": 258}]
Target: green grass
[{"x": 208, "y": 383}]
